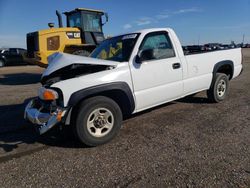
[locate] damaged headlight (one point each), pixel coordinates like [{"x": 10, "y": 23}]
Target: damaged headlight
[{"x": 47, "y": 94}]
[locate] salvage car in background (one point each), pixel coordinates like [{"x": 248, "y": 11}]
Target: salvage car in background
[{"x": 12, "y": 56}]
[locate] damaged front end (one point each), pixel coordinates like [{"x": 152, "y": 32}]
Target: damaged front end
[
  {"x": 46, "y": 110},
  {"x": 43, "y": 114},
  {"x": 72, "y": 71},
  {"x": 64, "y": 66}
]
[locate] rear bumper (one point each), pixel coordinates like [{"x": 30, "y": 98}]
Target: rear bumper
[{"x": 44, "y": 120}]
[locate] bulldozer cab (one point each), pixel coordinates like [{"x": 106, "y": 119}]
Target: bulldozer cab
[{"x": 89, "y": 22}]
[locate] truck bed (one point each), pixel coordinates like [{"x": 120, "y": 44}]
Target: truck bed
[{"x": 199, "y": 67}]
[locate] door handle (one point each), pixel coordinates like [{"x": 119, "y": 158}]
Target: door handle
[{"x": 176, "y": 65}]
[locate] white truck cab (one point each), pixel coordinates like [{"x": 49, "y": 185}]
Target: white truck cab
[{"x": 124, "y": 75}]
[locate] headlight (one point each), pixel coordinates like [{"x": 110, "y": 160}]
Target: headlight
[{"x": 47, "y": 94}]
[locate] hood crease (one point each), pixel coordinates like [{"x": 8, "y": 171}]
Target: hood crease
[{"x": 59, "y": 60}]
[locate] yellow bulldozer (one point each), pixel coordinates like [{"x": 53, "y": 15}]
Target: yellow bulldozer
[{"x": 83, "y": 33}]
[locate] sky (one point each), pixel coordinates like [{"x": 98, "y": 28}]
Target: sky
[{"x": 195, "y": 21}]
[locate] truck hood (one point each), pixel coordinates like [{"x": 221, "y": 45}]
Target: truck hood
[{"x": 59, "y": 60}]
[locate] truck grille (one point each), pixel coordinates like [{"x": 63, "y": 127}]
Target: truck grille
[{"x": 32, "y": 44}]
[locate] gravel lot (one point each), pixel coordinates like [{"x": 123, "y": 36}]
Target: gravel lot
[{"x": 186, "y": 143}]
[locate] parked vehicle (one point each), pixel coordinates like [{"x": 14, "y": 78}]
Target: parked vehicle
[
  {"x": 193, "y": 49},
  {"x": 12, "y": 56},
  {"x": 246, "y": 46},
  {"x": 225, "y": 46},
  {"x": 211, "y": 46},
  {"x": 126, "y": 74}
]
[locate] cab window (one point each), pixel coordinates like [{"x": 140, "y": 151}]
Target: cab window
[
  {"x": 13, "y": 51},
  {"x": 159, "y": 45},
  {"x": 75, "y": 20},
  {"x": 92, "y": 22}
]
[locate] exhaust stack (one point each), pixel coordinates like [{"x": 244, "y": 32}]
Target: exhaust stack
[{"x": 59, "y": 19}]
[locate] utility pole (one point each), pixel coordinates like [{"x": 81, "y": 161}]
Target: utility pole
[{"x": 243, "y": 40}]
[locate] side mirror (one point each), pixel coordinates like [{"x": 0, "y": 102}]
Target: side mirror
[
  {"x": 144, "y": 55},
  {"x": 51, "y": 25},
  {"x": 138, "y": 59},
  {"x": 106, "y": 17}
]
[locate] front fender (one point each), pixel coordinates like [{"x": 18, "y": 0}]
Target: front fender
[{"x": 78, "y": 96}]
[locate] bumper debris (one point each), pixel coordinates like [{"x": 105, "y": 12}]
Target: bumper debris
[{"x": 45, "y": 120}]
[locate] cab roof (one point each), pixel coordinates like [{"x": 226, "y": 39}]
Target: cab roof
[
  {"x": 145, "y": 31},
  {"x": 84, "y": 9}
]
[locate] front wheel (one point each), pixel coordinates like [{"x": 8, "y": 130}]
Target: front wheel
[
  {"x": 219, "y": 88},
  {"x": 98, "y": 120}
]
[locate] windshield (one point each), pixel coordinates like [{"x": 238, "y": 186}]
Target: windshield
[
  {"x": 75, "y": 20},
  {"x": 116, "y": 48},
  {"x": 4, "y": 51},
  {"x": 92, "y": 22}
]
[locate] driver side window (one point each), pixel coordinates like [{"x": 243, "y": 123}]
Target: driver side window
[
  {"x": 157, "y": 46},
  {"x": 13, "y": 51}
]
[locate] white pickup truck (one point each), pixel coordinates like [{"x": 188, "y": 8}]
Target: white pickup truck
[{"x": 126, "y": 74}]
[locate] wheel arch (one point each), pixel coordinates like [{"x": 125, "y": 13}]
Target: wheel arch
[
  {"x": 120, "y": 92},
  {"x": 226, "y": 67}
]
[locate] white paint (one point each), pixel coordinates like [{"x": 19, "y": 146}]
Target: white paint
[{"x": 152, "y": 82}]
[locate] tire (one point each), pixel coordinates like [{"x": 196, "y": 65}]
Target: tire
[
  {"x": 82, "y": 53},
  {"x": 219, "y": 88},
  {"x": 98, "y": 121},
  {"x": 2, "y": 63}
]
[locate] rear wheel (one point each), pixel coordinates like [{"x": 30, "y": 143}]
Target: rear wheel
[
  {"x": 98, "y": 121},
  {"x": 219, "y": 88}
]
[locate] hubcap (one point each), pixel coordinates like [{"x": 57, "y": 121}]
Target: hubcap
[
  {"x": 221, "y": 88},
  {"x": 100, "y": 122}
]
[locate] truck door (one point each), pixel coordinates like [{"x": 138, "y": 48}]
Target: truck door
[{"x": 158, "y": 77}]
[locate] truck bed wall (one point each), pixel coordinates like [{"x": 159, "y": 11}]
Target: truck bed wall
[{"x": 200, "y": 68}]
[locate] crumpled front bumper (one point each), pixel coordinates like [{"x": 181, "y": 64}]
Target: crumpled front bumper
[{"x": 44, "y": 120}]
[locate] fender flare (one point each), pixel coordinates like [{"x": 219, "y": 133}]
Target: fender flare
[
  {"x": 76, "y": 97},
  {"x": 221, "y": 63}
]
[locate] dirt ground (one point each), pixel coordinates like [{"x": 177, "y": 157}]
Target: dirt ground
[{"x": 186, "y": 143}]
